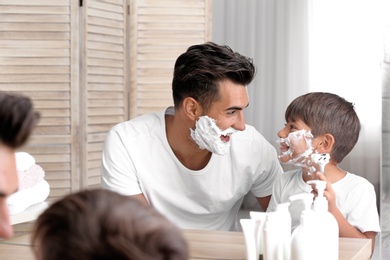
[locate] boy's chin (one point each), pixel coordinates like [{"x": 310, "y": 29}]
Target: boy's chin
[{"x": 284, "y": 158}]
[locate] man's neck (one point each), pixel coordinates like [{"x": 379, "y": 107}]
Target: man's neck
[{"x": 182, "y": 145}]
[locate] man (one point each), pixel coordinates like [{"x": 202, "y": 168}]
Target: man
[
  {"x": 195, "y": 162},
  {"x": 17, "y": 121}
]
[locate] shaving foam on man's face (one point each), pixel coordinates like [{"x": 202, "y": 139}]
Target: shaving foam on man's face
[
  {"x": 209, "y": 136},
  {"x": 296, "y": 148}
]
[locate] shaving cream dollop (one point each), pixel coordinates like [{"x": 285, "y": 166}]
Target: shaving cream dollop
[{"x": 207, "y": 135}]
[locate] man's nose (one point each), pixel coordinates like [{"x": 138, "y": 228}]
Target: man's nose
[
  {"x": 6, "y": 230},
  {"x": 240, "y": 122}
]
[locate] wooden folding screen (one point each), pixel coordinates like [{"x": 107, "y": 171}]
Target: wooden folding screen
[
  {"x": 104, "y": 84},
  {"x": 159, "y": 32},
  {"x": 39, "y": 58},
  {"x": 76, "y": 63}
]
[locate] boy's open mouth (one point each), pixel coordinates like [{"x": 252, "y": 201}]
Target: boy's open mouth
[{"x": 225, "y": 138}]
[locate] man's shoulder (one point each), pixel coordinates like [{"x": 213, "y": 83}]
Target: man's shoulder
[
  {"x": 144, "y": 119},
  {"x": 141, "y": 124}
]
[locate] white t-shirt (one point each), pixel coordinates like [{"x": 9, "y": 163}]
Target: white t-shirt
[
  {"x": 355, "y": 198},
  {"x": 138, "y": 159}
]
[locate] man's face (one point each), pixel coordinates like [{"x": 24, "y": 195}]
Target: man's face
[
  {"x": 8, "y": 185},
  {"x": 225, "y": 117},
  {"x": 228, "y": 111}
]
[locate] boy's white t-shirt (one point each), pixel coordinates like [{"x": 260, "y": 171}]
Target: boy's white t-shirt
[
  {"x": 138, "y": 159},
  {"x": 355, "y": 198}
]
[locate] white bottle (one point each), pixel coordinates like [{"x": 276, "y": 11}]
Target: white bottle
[
  {"x": 273, "y": 245},
  {"x": 327, "y": 229},
  {"x": 249, "y": 230},
  {"x": 303, "y": 244},
  {"x": 285, "y": 225},
  {"x": 302, "y": 238},
  {"x": 259, "y": 218}
]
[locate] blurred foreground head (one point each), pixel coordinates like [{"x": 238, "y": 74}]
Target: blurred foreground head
[
  {"x": 101, "y": 224},
  {"x": 17, "y": 119}
]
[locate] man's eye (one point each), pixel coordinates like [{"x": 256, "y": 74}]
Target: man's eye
[{"x": 231, "y": 112}]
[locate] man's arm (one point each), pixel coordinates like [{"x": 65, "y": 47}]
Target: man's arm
[
  {"x": 264, "y": 202},
  {"x": 141, "y": 198}
]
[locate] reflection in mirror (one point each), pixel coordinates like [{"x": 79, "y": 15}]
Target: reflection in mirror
[{"x": 315, "y": 46}]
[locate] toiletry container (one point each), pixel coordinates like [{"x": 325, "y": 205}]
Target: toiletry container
[
  {"x": 303, "y": 243},
  {"x": 302, "y": 238},
  {"x": 259, "y": 218},
  {"x": 327, "y": 229},
  {"x": 285, "y": 226},
  {"x": 249, "y": 230},
  {"x": 273, "y": 244}
]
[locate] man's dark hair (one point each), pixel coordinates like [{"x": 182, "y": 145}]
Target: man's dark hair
[
  {"x": 199, "y": 70},
  {"x": 17, "y": 119}
]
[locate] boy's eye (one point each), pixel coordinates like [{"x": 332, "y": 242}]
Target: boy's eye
[{"x": 291, "y": 126}]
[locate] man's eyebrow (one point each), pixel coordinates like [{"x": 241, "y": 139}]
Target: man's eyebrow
[{"x": 236, "y": 108}]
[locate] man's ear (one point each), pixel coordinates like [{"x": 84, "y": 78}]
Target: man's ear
[
  {"x": 326, "y": 143},
  {"x": 192, "y": 108}
]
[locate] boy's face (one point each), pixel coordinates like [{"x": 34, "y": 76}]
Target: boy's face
[
  {"x": 8, "y": 185},
  {"x": 296, "y": 143}
]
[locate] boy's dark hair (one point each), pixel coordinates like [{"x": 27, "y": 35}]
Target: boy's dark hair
[
  {"x": 198, "y": 71},
  {"x": 101, "y": 224},
  {"x": 17, "y": 119},
  {"x": 327, "y": 113}
]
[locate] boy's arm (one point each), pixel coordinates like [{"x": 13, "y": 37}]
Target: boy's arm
[{"x": 345, "y": 228}]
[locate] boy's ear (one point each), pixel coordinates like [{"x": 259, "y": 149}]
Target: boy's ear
[
  {"x": 326, "y": 143},
  {"x": 192, "y": 108}
]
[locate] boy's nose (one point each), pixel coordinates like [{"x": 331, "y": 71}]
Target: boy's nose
[{"x": 282, "y": 133}]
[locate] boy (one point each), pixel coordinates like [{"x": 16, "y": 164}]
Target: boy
[{"x": 325, "y": 123}]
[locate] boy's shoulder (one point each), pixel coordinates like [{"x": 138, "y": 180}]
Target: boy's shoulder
[
  {"x": 354, "y": 178},
  {"x": 355, "y": 182}
]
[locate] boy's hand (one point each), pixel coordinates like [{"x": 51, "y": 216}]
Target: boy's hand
[{"x": 329, "y": 193}]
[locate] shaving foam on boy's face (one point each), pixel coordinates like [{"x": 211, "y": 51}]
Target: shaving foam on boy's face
[
  {"x": 296, "y": 148},
  {"x": 208, "y": 135}
]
